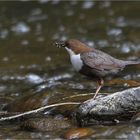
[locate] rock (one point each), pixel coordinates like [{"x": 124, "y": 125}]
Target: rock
[
  {"x": 118, "y": 106},
  {"x": 46, "y": 124},
  {"x": 76, "y": 133}
]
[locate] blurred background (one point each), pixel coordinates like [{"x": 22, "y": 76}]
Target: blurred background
[{"x": 28, "y": 30}]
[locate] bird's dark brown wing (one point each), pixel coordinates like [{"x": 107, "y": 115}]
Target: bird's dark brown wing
[{"x": 102, "y": 62}]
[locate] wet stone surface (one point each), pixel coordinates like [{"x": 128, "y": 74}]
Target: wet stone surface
[
  {"x": 46, "y": 124},
  {"x": 119, "y": 106},
  {"x": 76, "y": 133},
  {"x": 34, "y": 73}
]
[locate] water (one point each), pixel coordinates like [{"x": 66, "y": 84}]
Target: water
[{"x": 28, "y": 57}]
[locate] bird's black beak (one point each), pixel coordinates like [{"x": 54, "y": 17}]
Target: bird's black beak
[{"x": 60, "y": 44}]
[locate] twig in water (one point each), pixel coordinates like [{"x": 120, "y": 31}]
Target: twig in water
[{"x": 37, "y": 110}]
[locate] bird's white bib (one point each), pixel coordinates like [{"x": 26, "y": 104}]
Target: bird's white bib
[{"x": 75, "y": 59}]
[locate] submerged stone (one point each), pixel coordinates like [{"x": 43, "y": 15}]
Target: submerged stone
[
  {"x": 76, "y": 133},
  {"x": 46, "y": 124}
]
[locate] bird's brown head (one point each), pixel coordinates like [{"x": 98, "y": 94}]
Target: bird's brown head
[{"x": 75, "y": 45}]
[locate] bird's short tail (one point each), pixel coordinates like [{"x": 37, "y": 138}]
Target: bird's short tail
[{"x": 132, "y": 62}]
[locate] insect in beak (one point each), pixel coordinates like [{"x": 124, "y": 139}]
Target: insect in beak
[{"x": 60, "y": 44}]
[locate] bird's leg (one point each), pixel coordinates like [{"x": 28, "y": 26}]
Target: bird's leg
[{"x": 101, "y": 83}]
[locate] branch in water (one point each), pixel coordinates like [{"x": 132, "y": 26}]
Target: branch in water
[{"x": 38, "y": 110}]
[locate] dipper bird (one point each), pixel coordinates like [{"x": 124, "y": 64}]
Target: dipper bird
[{"x": 92, "y": 62}]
